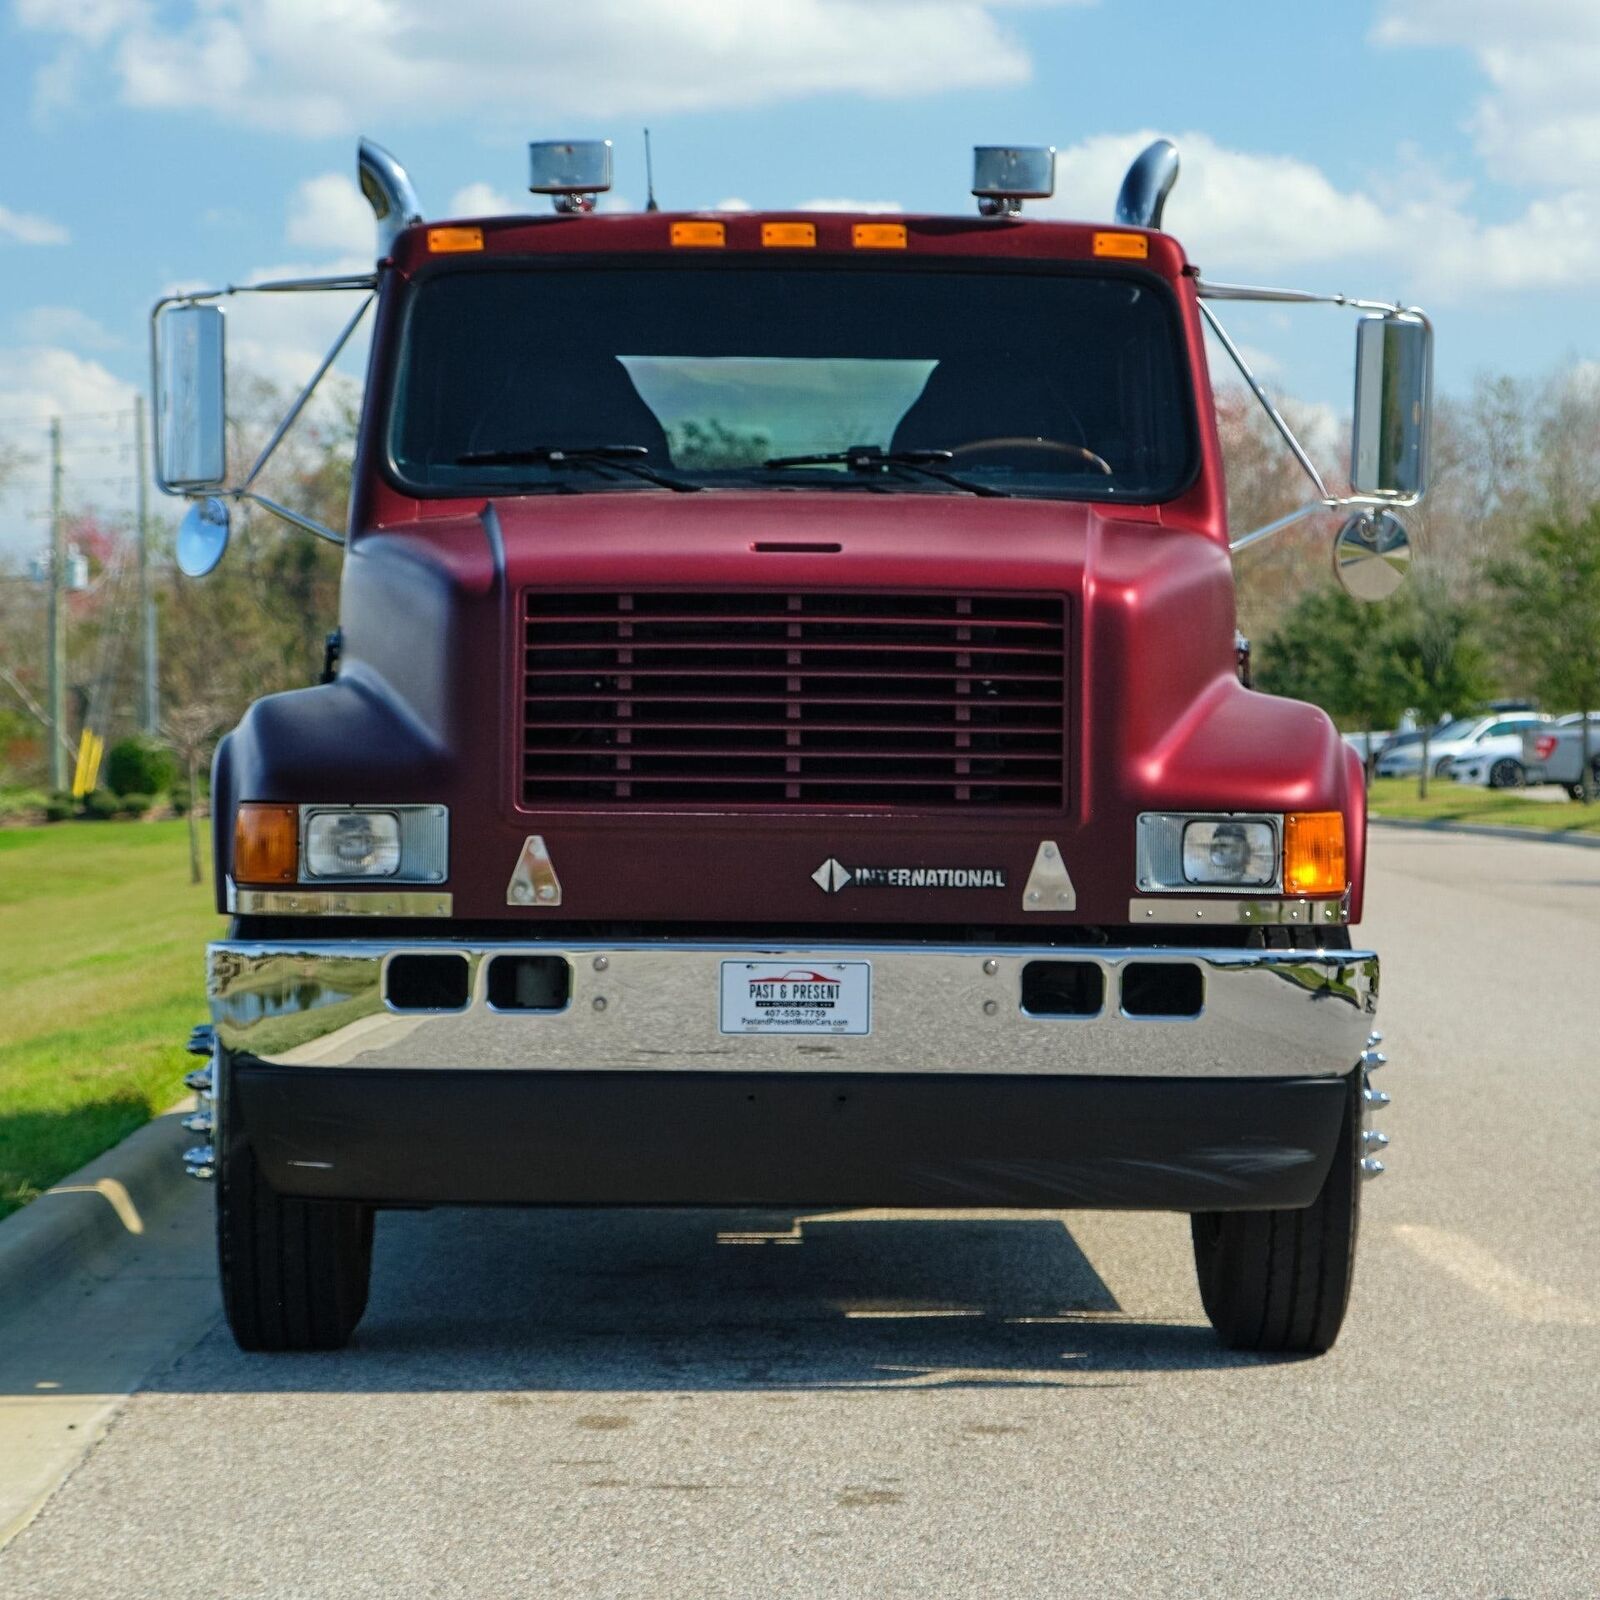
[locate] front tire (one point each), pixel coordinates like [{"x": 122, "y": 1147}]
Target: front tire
[
  {"x": 294, "y": 1272},
  {"x": 1279, "y": 1281},
  {"x": 1507, "y": 773}
]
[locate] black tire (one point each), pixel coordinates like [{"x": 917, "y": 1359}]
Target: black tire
[
  {"x": 294, "y": 1273},
  {"x": 1507, "y": 773},
  {"x": 1279, "y": 1281},
  {"x": 1441, "y": 767}
]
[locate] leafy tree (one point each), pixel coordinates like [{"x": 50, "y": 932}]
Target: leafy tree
[
  {"x": 1432, "y": 657},
  {"x": 1328, "y": 650},
  {"x": 1550, "y": 594}
]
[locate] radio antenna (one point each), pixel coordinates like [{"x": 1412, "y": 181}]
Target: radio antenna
[{"x": 649, "y": 177}]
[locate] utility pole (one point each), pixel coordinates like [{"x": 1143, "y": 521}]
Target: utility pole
[
  {"x": 57, "y": 630},
  {"x": 149, "y": 700}
]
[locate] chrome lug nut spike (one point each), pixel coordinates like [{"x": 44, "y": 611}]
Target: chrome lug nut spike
[
  {"x": 1373, "y": 1059},
  {"x": 203, "y": 1040},
  {"x": 199, "y": 1155},
  {"x": 201, "y": 1174},
  {"x": 199, "y": 1080},
  {"x": 1373, "y": 1140},
  {"x": 1375, "y": 1098},
  {"x": 1374, "y": 1039},
  {"x": 1371, "y": 1167},
  {"x": 197, "y": 1122}
]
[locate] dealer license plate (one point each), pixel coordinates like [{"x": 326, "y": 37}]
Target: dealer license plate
[{"x": 797, "y": 997}]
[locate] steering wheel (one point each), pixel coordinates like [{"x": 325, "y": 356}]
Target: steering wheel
[{"x": 1010, "y": 445}]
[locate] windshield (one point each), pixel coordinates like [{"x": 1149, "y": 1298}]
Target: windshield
[
  {"x": 1458, "y": 729},
  {"x": 941, "y": 381}
]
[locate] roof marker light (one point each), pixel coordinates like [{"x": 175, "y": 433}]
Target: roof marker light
[
  {"x": 444, "y": 241},
  {"x": 789, "y": 235},
  {"x": 699, "y": 235},
  {"x": 1127, "y": 246},
  {"x": 878, "y": 236}
]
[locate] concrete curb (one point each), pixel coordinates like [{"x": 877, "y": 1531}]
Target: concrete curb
[
  {"x": 104, "y": 1206},
  {"x": 1586, "y": 841}
]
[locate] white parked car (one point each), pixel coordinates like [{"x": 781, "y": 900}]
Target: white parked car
[
  {"x": 1496, "y": 763},
  {"x": 1456, "y": 740}
]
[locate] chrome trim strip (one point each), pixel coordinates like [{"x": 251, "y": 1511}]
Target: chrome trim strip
[
  {"x": 338, "y": 903},
  {"x": 1267, "y": 1013},
  {"x": 1232, "y": 912}
]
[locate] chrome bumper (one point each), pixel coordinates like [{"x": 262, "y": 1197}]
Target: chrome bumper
[{"x": 1264, "y": 1013}]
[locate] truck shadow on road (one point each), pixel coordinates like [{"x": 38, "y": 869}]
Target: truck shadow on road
[{"x": 570, "y": 1301}]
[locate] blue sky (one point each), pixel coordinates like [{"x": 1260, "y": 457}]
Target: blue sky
[{"x": 1444, "y": 151}]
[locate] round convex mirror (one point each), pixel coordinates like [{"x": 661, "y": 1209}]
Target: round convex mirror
[
  {"x": 1371, "y": 555},
  {"x": 202, "y": 537}
]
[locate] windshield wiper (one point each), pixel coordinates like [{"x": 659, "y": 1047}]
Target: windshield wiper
[
  {"x": 869, "y": 458},
  {"x": 596, "y": 457}
]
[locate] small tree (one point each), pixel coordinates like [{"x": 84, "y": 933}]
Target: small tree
[
  {"x": 1432, "y": 658},
  {"x": 190, "y": 730},
  {"x": 1325, "y": 652},
  {"x": 1550, "y": 594}
]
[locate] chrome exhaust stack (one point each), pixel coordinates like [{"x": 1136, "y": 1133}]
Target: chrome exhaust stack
[{"x": 389, "y": 192}]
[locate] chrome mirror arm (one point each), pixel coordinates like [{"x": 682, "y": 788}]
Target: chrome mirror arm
[
  {"x": 294, "y": 411},
  {"x": 295, "y": 519},
  {"x": 244, "y": 490},
  {"x": 1326, "y": 500}
]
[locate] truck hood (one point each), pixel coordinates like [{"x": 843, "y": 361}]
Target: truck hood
[{"x": 429, "y": 705}]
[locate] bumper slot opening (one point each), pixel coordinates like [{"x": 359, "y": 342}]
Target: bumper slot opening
[
  {"x": 427, "y": 982},
  {"x": 530, "y": 983},
  {"x": 1063, "y": 989},
  {"x": 1162, "y": 989}
]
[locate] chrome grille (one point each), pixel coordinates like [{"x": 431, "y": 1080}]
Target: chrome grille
[{"x": 877, "y": 699}]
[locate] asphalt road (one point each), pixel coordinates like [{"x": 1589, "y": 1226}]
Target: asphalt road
[{"x": 703, "y": 1405}]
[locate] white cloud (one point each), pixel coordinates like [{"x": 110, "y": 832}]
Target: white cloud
[
  {"x": 1241, "y": 213},
  {"x": 23, "y": 227},
  {"x": 65, "y": 325},
  {"x": 484, "y": 200},
  {"x": 1229, "y": 205},
  {"x": 885, "y": 207},
  {"x": 1539, "y": 123},
  {"x": 309, "y": 67},
  {"x": 733, "y": 203},
  {"x": 40, "y": 382},
  {"x": 329, "y": 213}
]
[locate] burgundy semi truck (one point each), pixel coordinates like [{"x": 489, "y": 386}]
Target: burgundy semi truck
[{"x": 783, "y": 747}]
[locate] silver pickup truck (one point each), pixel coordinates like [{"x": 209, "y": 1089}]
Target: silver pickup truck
[{"x": 1557, "y": 748}]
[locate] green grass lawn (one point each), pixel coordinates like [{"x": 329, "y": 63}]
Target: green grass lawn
[
  {"x": 101, "y": 979},
  {"x": 1466, "y": 802}
]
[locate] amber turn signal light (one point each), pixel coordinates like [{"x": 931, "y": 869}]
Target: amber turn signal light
[
  {"x": 1313, "y": 853},
  {"x": 266, "y": 844}
]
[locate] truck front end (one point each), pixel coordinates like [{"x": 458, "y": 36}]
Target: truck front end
[{"x": 787, "y": 751}]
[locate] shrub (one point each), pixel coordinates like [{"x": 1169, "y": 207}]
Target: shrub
[
  {"x": 141, "y": 766},
  {"x": 135, "y": 805},
  {"x": 101, "y": 805},
  {"x": 23, "y": 803},
  {"x": 179, "y": 800},
  {"x": 59, "y": 807}
]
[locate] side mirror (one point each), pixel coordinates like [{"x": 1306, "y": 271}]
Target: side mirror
[
  {"x": 190, "y": 399},
  {"x": 1394, "y": 402},
  {"x": 1371, "y": 555}
]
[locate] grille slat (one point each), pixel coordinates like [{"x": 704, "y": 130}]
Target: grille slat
[{"x": 899, "y": 701}]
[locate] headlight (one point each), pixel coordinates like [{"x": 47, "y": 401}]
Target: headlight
[
  {"x": 1215, "y": 853},
  {"x": 1243, "y": 853},
  {"x": 352, "y": 844},
  {"x": 405, "y": 844}
]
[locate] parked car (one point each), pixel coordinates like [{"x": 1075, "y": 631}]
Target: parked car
[
  {"x": 1461, "y": 737},
  {"x": 1368, "y": 745},
  {"x": 1498, "y": 763},
  {"x": 1558, "y": 750}
]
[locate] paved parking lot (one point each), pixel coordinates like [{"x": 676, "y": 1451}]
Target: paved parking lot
[{"x": 633, "y": 1404}]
